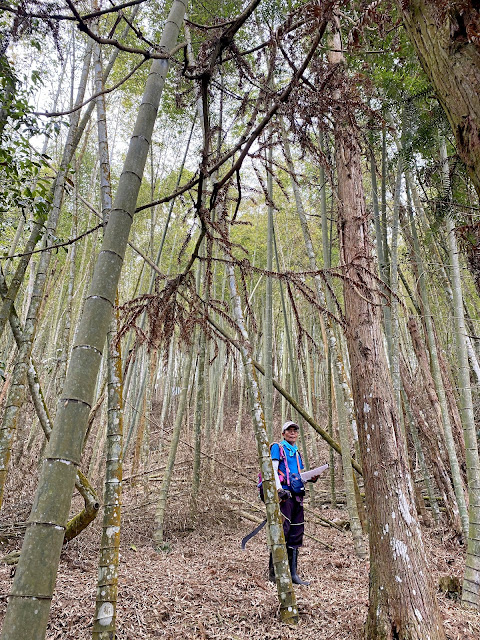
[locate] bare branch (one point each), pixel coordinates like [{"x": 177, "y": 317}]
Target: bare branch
[
  {"x": 57, "y": 16},
  {"x": 273, "y": 109},
  {"x": 55, "y": 246},
  {"x": 55, "y": 114},
  {"x": 82, "y": 26},
  {"x": 206, "y": 27}
]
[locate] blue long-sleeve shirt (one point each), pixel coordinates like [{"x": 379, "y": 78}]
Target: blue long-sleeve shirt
[{"x": 291, "y": 456}]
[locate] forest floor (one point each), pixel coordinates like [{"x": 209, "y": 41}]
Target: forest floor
[{"x": 204, "y": 586}]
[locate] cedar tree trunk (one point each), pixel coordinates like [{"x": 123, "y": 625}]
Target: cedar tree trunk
[{"x": 401, "y": 603}]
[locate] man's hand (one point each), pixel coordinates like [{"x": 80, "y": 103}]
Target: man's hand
[
  {"x": 283, "y": 495},
  {"x": 314, "y": 479}
]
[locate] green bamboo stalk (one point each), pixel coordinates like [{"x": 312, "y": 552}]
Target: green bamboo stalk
[
  {"x": 333, "y": 493},
  {"x": 29, "y": 602},
  {"x": 421, "y": 458},
  {"x": 384, "y": 226},
  {"x": 433, "y": 437},
  {"x": 160, "y": 250},
  {"x": 167, "y": 477},
  {"x": 136, "y": 406},
  {"x": 284, "y": 378},
  {"x": 220, "y": 404},
  {"x": 197, "y": 429},
  {"x": 107, "y": 583},
  {"x": 241, "y": 395},
  {"x": 81, "y": 521},
  {"x": 326, "y": 247},
  {"x": 292, "y": 361},
  {"x": 207, "y": 397},
  {"x": 437, "y": 377},
  {"x": 167, "y": 387},
  {"x": 57, "y": 198},
  {"x": 146, "y": 440},
  {"x": 381, "y": 239},
  {"x": 288, "y": 398},
  {"x": 286, "y": 594},
  {"x": 104, "y": 622},
  {"x": 17, "y": 386},
  {"x": 197, "y": 421},
  {"x": 108, "y": 68},
  {"x": 268, "y": 320},
  {"x": 395, "y": 327},
  {"x": 62, "y": 365},
  {"x": 471, "y": 578}
]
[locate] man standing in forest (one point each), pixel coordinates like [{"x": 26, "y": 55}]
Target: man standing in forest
[{"x": 287, "y": 465}]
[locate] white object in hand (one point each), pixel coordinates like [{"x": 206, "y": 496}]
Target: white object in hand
[{"x": 307, "y": 475}]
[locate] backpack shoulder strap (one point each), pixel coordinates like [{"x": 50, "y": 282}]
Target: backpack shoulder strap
[
  {"x": 281, "y": 449},
  {"x": 283, "y": 456},
  {"x": 299, "y": 462}
]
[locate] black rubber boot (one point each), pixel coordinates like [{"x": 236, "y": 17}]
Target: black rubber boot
[
  {"x": 271, "y": 570},
  {"x": 292, "y": 560}
]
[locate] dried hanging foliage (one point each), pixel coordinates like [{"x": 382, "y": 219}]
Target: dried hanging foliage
[
  {"x": 177, "y": 308},
  {"x": 34, "y": 17},
  {"x": 469, "y": 239}
]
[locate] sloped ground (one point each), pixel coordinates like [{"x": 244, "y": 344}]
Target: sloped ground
[{"x": 205, "y": 587}]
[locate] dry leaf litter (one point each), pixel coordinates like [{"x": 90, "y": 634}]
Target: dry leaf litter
[{"x": 204, "y": 586}]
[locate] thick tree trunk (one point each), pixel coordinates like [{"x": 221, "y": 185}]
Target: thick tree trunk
[
  {"x": 447, "y": 45},
  {"x": 401, "y": 603},
  {"x": 452, "y": 63},
  {"x": 342, "y": 389}
]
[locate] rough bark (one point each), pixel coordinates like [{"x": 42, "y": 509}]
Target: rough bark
[
  {"x": 444, "y": 36},
  {"x": 342, "y": 388},
  {"x": 401, "y": 603},
  {"x": 441, "y": 34}
]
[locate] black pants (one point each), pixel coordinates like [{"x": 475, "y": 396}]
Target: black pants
[{"x": 293, "y": 520}]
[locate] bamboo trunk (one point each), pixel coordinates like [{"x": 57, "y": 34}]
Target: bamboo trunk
[
  {"x": 17, "y": 387},
  {"x": 29, "y": 604},
  {"x": 158, "y": 537},
  {"x": 286, "y": 594},
  {"x": 433, "y": 446},
  {"x": 438, "y": 381},
  {"x": 107, "y": 583},
  {"x": 471, "y": 578}
]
